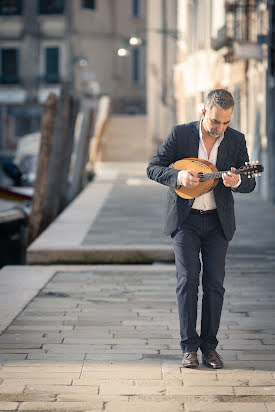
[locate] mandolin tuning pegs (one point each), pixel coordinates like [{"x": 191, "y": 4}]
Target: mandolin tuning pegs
[
  {"x": 246, "y": 163},
  {"x": 249, "y": 176},
  {"x": 257, "y": 161},
  {"x": 260, "y": 174}
]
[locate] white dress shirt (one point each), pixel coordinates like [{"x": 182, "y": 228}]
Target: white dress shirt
[{"x": 207, "y": 201}]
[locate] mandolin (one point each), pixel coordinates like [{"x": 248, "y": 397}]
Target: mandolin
[{"x": 209, "y": 175}]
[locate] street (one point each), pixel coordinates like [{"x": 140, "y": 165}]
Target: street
[{"x": 106, "y": 337}]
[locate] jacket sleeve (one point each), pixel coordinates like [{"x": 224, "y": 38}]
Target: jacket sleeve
[
  {"x": 158, "y": 168},
  {"x": 247, "y": 184}
]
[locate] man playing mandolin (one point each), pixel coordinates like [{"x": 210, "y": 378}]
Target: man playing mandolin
[{"x": 202, "y": 224}]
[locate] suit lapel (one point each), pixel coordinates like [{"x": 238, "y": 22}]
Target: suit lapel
[
  {"x": 222, "y": 152},
  {"x": 194, "y": 141}
]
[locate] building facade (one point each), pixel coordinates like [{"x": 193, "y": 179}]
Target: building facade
[
  {"x": 162, "y": 37},
  {"x": 224, "y": 45},
  {"x": 44, "y": 43}
]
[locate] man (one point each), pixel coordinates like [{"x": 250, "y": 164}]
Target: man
[{"x": 203, "y": 225}]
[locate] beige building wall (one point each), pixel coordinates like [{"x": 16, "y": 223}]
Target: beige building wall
[
  {"x": 161, "y": 58},
  {"x": 81, "y": 35},
  {"x": 97, "y": 35},
  {"x": 215, "y": 53}
]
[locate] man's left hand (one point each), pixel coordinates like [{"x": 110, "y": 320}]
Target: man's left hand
[{"x": 230, "y": 179}]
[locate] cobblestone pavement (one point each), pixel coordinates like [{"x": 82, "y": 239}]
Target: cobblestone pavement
[
  {"x": 107, "y": 338},
  {"x": 131, "y": 214},
  {"x": 118, "y": 219}
]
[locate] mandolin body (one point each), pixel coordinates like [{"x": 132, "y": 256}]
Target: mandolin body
[{"x": 197, "y": 166}]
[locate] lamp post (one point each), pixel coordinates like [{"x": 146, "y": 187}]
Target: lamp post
[{"x": 136, "y": 39}]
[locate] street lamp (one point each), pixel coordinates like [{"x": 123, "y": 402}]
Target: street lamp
[
  {"x": 122, "y": 51},
  {"x": 136, "y": 39}
]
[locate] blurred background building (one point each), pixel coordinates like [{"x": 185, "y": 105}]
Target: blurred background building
[
  {"x": 46, "y": 42},
  {"x": 218, "y": 44},
  {"x": 157, "y": 58}
]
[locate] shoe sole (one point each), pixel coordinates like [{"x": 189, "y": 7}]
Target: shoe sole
[
  {"x": 211, "y": 366},
  {"x": 189, "y": 366}
]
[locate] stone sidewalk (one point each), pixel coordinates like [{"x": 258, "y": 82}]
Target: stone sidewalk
[
  {"x": 117, "y": 219},
  {"x": 106, "y": 338}
]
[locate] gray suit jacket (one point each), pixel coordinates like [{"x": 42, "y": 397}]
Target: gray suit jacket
[{"x": 182, "y": 142}]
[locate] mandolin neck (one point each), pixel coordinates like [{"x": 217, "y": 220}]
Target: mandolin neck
[{"x": 216, "y": 175}]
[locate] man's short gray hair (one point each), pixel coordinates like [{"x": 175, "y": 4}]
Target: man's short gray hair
[{"x": 219, "y": 97}]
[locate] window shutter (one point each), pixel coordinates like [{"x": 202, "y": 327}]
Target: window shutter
[
  {"x": 10, "y": 65},
  {"x": 52, "y": 64}
]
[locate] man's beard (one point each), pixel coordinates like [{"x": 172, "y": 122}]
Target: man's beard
[{"x": 212, "y": 133}]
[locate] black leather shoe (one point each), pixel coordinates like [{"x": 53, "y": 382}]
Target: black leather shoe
[
  {"x": 212, "y": 360},
  {"x": 190, "y": 360}
]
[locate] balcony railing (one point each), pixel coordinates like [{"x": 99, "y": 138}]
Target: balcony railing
[
  {"x": 223, "y": 39},
  {"x": 235, "y": 46}
]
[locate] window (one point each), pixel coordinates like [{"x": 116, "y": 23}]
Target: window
[
  {"x": 89, "y": 4},
  {"x": 9, "y": 66},
  {"x": 52, "y": 65},
  {"x": 51, "y": 6},
  {"x": 10, "y": 7},
  {"x": 136, "y": 66},
  {"x": 136, "y": 8}
]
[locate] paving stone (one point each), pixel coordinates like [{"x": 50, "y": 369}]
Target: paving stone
[
  {"x": 84, "y": 397},
  {"x": 114, "y": 356},
  {"x": 60, "y": 363},
  {"x": 261, "y": 381},
  {"x": 15, "y": 346},
  {"x": 261, "y": 390},
  {"x": 11, "y": 356},
  {"x": 38, "y": 380},
  {"x": 8, "y": 406},
  {"x": 199, "y": 390},
  {"x": 124, "y": 349},
  {"x": 113, "y": 389},
  {"x": 163, "y": 383},
  {"x": 257, "y": 356},
  {"x": 92, "y": 381},
  {"x": 62, "y": 389},
  {"x": 11, "y": 387},
  {"x": 46, "y": 368},
  {"x": 52, "y": 348},
  {"x": 110, "y": 341},
  {"x": 163, "y": 406},
  {"x": 46, "y": 328},
  {"x": 20, "y": 350},
  {"x": 27, "y": 397},
  {"x": 146, "y": 365},
  {"x": 224, "y": 407},
  {"x": 138, "y": 374},
  {"x": 41, "y": 375},
  {"x": 61, "y": 406},
  {"x": 58, "y": 356},
  {"x": 213, "y": 381}
]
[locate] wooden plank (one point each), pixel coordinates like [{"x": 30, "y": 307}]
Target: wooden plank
[{"x": 47, "y": 130}]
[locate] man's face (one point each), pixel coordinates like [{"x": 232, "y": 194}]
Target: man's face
[{"x": 216, "y": 120}]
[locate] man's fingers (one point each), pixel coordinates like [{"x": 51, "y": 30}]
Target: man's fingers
[{"x": 193, "y": 176}]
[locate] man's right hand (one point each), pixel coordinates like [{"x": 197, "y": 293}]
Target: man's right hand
[{"x": 189, "y": 178}]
